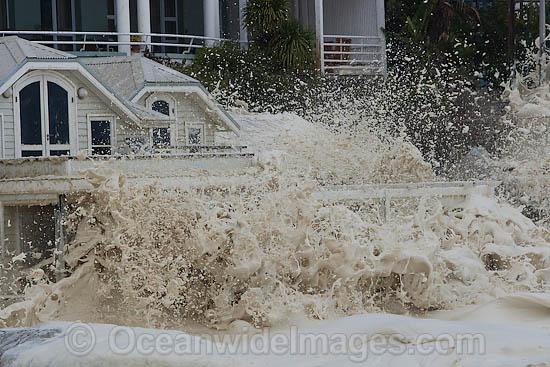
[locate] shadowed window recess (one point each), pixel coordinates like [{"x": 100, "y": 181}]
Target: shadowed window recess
[{"x": 101, "y": 131}]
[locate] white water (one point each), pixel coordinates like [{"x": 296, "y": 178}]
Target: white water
[{"x": 255, "y": 247}]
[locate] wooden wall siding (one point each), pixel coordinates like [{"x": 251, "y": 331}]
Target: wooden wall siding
[
  {"x": 351, "y": 17},
  {"x": 6, "y": 109},
  {"x": 304, "y": 11},
  {"x": 188, "y": 110},
  {"x": 92, "y": 104},
  {"x": 341, "y": 17}
]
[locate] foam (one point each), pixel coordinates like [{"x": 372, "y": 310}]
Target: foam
[{"x": 262, "y": 250}]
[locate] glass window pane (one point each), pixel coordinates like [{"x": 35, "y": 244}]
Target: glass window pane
[
  {"x": 101, "y": 151},
  {"x": 161, "y": 107},
  {"x": 101, "y": 132},
  {"x": 27, "y": 14},
  {"x": 31, "y": 153},
  {"x": 3, "y": 15},
  {"x": 111, "y": 7},
  {"x": 57, "y": 153},
  {"x": 31, "y": 121},
  {"x": 194, "y": 135},
  {"x": 58, "y": 108},
  {"x": 169, "y": 8},
  {"x": 161, "y": 137},
  {"x": 64, "y": 15}
]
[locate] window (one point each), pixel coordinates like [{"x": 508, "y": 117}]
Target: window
[
  {"x": 44, "y": 106},
  {"x": 164, "y": 20},
  {"x": 161, "y": 106},
  {"x": 101, "y": 135},
  {"x": 195, "y": 134},
  {"x": 161, "y": 137}
]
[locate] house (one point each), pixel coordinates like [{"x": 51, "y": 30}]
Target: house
[
  {"x": 350, "y": 37},
  {"x": 55, "y": 106}
]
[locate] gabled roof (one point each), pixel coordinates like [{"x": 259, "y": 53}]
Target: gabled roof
[
  {"x": 128, "y": 74},
  {"x": 14, "y": 51},
  {"x": 119, "y": 78}
]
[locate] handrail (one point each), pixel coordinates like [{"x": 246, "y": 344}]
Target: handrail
[
  {"x": 347, "y": 36},
  {"x": 183, "y": 42},
  {"x": 357, "y": 56},
  {"x": 93, "y": 33}
]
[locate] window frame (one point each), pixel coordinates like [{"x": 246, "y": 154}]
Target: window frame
[
  {"x": 43, "y": 77},
  {"x": 195, "y": 125},
  {"x": 172, "y": 124},
  {"x": 101, "y": 117}
]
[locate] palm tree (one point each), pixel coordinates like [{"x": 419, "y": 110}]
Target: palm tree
[
  {"x": 293, "y": 45},
  {"x": 263, "y": 17}
]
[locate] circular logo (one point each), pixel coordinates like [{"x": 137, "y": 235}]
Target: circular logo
[{"x": 80, "y": 339}]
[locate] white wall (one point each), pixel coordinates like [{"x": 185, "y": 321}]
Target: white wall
[
  {"x": 350, "y": 17},
  {"x": 6, "y": 109}
]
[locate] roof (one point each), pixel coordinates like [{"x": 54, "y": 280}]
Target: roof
[
  {"x": 14, "y": 51},
  {"x": 128, "y": 74},
  {"x": 120, "y": 77}
]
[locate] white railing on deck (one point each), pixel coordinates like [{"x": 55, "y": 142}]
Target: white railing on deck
[
  {"x": 342, "y": 54},
  {"x": 108, "y": 41}
]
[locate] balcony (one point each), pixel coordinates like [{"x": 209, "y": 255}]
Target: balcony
[
  {"x": 353, "y": 55},
  {"x": 42, "y": 179},
  {"x": 174, "y": 46}
]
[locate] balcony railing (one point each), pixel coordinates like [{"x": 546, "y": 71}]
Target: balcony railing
[
  {"x": 352, "y": 55},
  {"x": 109, "y": 41}
]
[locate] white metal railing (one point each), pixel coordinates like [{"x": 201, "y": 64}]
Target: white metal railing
[
  {"x": 108, "y": 41},
  {"x": 389, "y": 192},
  {"x": 344, "y": 54}
]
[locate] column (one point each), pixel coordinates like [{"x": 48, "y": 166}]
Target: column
[
  {"x": 243, "y": 34},
  {"x": 123, "y": 25},
  {"x": 211, "y": 20},
  {"x": 319, "y": 31},
  {"x": 144, "y": 20}
]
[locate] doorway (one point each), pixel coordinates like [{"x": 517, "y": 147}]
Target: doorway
[{"x": 44, "y": 107}]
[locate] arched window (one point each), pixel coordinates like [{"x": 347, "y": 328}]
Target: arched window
[
  {"x": 44, "y": 106},
  {"x": 161, "y": 106}
]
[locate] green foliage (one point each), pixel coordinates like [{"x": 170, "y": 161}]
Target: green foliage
[
  {"x": 293, "y": 45},
  {"x": 264, "y": 17},
  {"x": 290, "y": 45},
  {"x": 250, "y": 76},
  {"x": 442, "y": 32}
]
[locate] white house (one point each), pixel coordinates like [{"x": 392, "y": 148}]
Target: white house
[
  {"x": 126, "y": 111},
  {"x": 349, "y": 32}
]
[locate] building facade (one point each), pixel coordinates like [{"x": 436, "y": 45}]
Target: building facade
[{"x": 349, "y": 32}]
